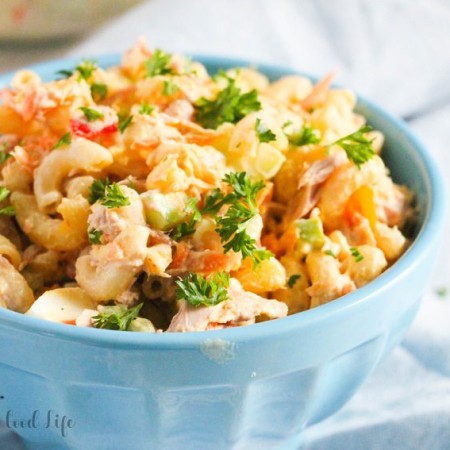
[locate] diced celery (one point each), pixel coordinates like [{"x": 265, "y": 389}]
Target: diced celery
[
  {"x": 142, "y": 325},
  {"x": 164, "y": 211},
  {"x": 310, "y": 233}
]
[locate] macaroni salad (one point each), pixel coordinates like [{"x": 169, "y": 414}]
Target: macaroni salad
[{"x": 155, "y": 197}]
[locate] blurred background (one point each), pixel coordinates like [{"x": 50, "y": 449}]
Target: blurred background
[{"x": 396, "y": 52}]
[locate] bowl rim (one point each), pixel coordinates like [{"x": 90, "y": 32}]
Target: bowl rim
[{"x": 433, "y": 222}]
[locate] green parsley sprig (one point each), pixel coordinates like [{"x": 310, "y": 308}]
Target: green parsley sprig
[
  {"x": 84, "y": 69},
  {"x": 95, "y": 236},
  {"x": 330, "y": 253},
  {"x": 306, "y": 135},
  {"x": 263, "y": 133},
  {"x": 97, "y": 190},
  {"x": 65, "y": 73},
  {"x": 169, "y": 88},
  {"x": 242, "y": 207},
  {"x": 4, "y": 193},
  {"x": 99, "y": 91},
  {"x": 124, "y": 123},
  {"x": 356, "y": 254},
  {"x": 230, "y": 105},
  {"x": 146, "y": 109},
  {"x": 114, "y": 197},
  {"x": 292, "y": 280},
  {"x": 185, "y": 229},
  {"x": 108, "y": 194},
  {"x": 66, "y": 139},
  {"x": 91, "y": 114},
  {"x": 232, "y": 225},
  {"x": 242, "y": 189},
  {"x": 4, "y": 156},
  {"x": 7, "y": 210},
  {"x": 158, "y": 63},
  {"x": 358, "y": 148},
  {"x": 116, "y": 317},
  {"x": 200, "y": 291}
]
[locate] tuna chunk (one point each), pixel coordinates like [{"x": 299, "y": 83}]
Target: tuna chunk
[{"x": 242, "y": 308}]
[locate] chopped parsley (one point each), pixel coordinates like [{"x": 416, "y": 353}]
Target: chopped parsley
[
  {"x": 230, "y": 105},
  {"x": 242, "y": 207},
  {"x": 200, "y": 291},
  {"x": 307, "y": 135},
  {"x": 91, "y": 114},
  {"x": 65, "y": 140},
  {"x": 264, "y": 134},
  {"x": 97, "y": 190},
  {"x": 358, "y": 148},
  {"x": 124, "y": 122},
  {"x": 243, "y": 187},
  {"x": 114, "y": 197},
  {"x": 356, "y": 254},
  {"x": 330, "y": 253},
  {"x": 146, "y": 109},
  {"x": 292, "y": 280},
  {"x": 108, "y": 194},
  {"x": 117, "y": 317},
  {"x": 158, "y": 64},
  {"x": 169, "y": 88},
  {"x": 187, "y": 228},
  {"x": 7, "y": 210},
  {"x": 86, "y": 68},
  {"x": 182, "y": 230},
  {"x": 4, "y": 193},
  {"x": 214, "y": 201},
  {"x": 65, "y": 73},
  {"x": 99, "y": 91},
  {"x": 221, "y": 74},
  {"x": 4, "y": 156},
  {"x": 95, "y": 236}
]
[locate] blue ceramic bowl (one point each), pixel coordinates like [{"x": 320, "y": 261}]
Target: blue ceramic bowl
[{"x": 241, "y": 388}]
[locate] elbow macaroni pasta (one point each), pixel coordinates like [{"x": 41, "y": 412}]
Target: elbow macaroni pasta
[
  {"x": 63, "y": 234},
  {"x": 81, "y": 156}
]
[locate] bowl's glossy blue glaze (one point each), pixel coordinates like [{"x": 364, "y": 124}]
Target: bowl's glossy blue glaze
[{"x": 241, "y": 388}]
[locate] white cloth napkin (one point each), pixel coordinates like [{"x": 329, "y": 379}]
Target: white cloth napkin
[{"x": 396, "y": 52}]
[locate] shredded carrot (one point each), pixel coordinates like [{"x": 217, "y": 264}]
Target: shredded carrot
[
  {"x": 272, "y": 243},
  {"x": 289, "y": 239},
  {"x": 211, "y": 261},
  {"x": 361, "y": 202},
  {"x": 181, "y": 253},
  {"x": 69, "y": 322},
  {"x": 315, "y": 154}
]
